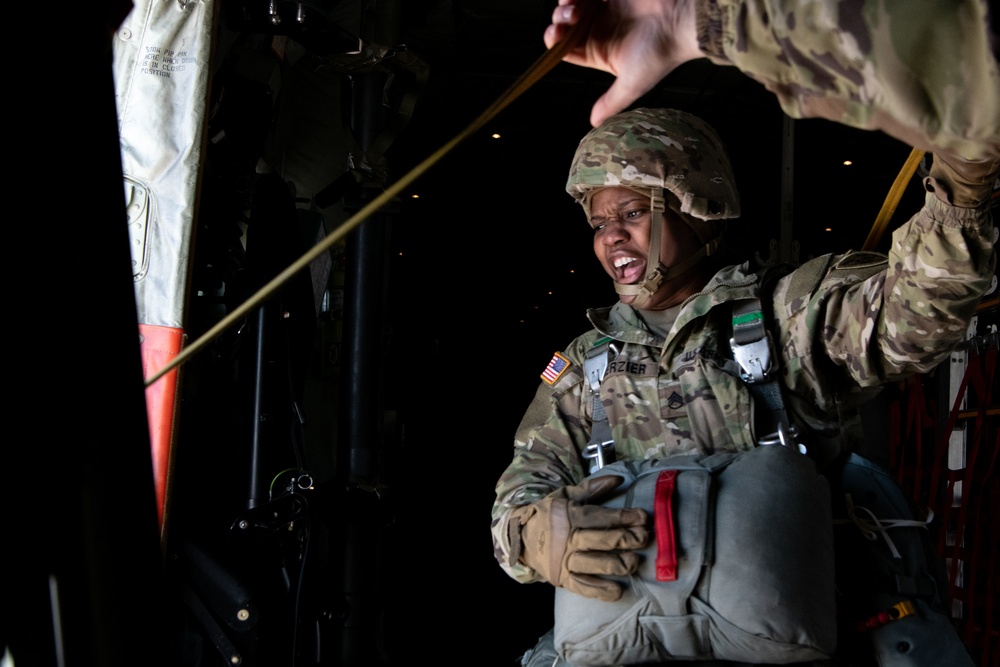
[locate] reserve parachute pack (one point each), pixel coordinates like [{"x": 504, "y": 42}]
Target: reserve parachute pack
[
  {"x": 741, "y": 568},
  {"x": 742, "y": 565},
  {"x": 891, "y": 582}
]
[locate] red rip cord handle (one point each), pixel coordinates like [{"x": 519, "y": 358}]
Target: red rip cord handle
[{"x": 663, "y": 519}]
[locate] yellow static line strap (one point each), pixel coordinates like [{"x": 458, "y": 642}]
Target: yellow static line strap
[{"x": 892, "y": 199}]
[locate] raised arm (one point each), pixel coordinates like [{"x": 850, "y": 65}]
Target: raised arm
[{"x": 925, "y": 75}]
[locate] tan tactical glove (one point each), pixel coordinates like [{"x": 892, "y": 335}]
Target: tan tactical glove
[
  {"x": 961, "y": 183},
  {"x": 571, "y": 543}
]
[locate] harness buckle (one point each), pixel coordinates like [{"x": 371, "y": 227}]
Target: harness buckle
[
  {"x": 596, "y": 452},
  {"x": 786, "y": 436},
  {"x": 754, "y": 359}
]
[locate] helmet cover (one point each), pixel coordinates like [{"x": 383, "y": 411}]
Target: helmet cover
[{"x": 658, "y": 148}]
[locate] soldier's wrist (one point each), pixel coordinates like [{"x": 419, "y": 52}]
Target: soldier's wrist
[{"x": 961, "y": 183}]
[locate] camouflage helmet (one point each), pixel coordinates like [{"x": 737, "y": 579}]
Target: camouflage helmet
[
  {"x": 658, "y": 148},
  {"x": 655, "y": 151}
]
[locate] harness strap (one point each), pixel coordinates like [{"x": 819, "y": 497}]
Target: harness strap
[
  {"x": 750, "y": 342},
  {"x": 600, "y": 449},
  {"x": 752, "y": 348},
  {"x": 873, "y": 527}
]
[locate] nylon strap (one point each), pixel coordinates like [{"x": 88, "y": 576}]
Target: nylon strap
[
  {"x": 892, "y": 199},
  {"x": 600, "y": 449},
  {"x": 752, "y": 349}
]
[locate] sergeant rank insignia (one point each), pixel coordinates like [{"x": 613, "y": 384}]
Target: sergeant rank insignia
[{"x": 556, "y": 368}]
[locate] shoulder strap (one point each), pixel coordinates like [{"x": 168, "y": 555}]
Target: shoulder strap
[
  {"x": 600, "y": 449},
  {"x": 753, "y": 349}
]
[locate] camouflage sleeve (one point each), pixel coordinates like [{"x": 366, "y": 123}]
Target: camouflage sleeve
[
  {"x": 865, "y": 321},
  {"x": 547, "y": 443},
  {"x": 866, "y": 64}
]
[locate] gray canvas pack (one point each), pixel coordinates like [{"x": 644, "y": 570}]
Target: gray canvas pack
[
  {"x": 886, "y": 562},
  {"x": 754, "y": 568}
]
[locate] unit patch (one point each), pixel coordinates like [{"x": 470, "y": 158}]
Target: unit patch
[{"x": 556, "y": 368}]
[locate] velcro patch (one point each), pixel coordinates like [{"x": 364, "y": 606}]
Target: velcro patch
[{"x": 556, "y": 368}]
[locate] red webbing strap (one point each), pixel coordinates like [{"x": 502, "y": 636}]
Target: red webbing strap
[
  {"x": 967, "y": 541},
  {"x": 983, "y": 388},
  {"x": 974, "y": 376},
  {"x": 971, "y": 482},
  {"x": 941, "y": 453},
  {"x": 663, "y": 520},
  {"x": 992, "y": 569}
]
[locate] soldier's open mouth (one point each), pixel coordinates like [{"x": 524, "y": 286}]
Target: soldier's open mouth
[{"x": 628, "y": 270}]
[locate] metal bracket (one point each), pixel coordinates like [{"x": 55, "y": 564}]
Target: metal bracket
[{"x": 754, "y": 359}]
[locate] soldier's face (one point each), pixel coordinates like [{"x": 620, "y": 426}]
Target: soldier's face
[{"x": 621, "y": 221}]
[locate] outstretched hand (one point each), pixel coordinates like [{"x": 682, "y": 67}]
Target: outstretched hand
[{"x": 638, "y": 41}]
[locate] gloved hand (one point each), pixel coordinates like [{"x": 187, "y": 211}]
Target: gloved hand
[
  {"x": 961, "y": 183},
  {"x": 571, "y": 543}
]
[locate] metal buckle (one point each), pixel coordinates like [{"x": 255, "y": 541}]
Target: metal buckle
[
  {"x": 754, "y": 359},
  {"x": 595, "y": 451},
  {"x": 785, "y": 436}
]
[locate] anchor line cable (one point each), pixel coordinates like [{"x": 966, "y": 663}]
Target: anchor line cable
[{"x": 548, "y": 60}]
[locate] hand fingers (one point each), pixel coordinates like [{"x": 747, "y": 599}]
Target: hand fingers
[
  {"x": 605, "y": 563},
  {"x": 565, "y": 13},
  {"x": 634, "y": 537},
  {"x": 594, "y": 489},
  {"x": 563, "y": 16},
  {"x": 618, "y": 97},
  {"x": 553, "y": 35},
  {"x": 594, "y": 587},
  {"x": 597, "y": 518}
]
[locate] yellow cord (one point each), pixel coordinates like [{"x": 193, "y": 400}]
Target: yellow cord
[{"x": 892, "y": 199}]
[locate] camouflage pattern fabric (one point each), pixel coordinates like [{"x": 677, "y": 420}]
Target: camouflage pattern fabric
[
  {"x": 847, "y": 324},
  {"x": 865, "y": 64},
  {"x": 658, "y": 148}
]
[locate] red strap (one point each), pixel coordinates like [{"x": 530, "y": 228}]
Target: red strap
[
  {"x": 982, "y": 386},
  {"x": 973, "y": 379},
  {"x": 663, "y": 518},
  {"x": 992, "y": 584},
  {"x": 981, "y": 528},
  {"x": 941, "y": 452},
  {"x": 973, "y": 480}
]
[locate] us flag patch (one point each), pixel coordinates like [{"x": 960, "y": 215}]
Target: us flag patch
[{"x": 556, "y": 368}]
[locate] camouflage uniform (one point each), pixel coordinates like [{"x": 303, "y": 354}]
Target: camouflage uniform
[
  {"x": 866, "y": 64},
  {"x": 847, "y": 324}
]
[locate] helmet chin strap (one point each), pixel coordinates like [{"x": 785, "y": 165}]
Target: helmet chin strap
[{"x": 657, "y": 273}]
